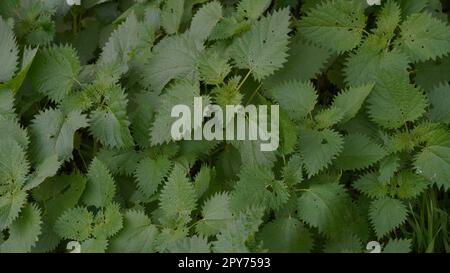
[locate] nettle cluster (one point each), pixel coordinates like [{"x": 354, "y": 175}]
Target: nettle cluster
[{"x": 86, "y": 154}]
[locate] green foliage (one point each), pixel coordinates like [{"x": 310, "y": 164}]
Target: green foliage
[{"x": 86, "y": 152}]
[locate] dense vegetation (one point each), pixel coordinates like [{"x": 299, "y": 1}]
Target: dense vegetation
[{"x": 86, "y": 153}]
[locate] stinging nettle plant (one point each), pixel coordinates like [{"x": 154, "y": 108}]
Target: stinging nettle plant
[{"x": 86, "y": 153}]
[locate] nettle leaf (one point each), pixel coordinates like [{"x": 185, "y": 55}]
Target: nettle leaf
[
  {"x": 286, "y": 235},
  {"x": 300, "y": 52},
  {"x": 297, "y": 98},
  {"x": 350, "y": 101},
  {"x": 263, "y": 49},
  {"x": 11, "y": 204},
  {"x": 178, "y": 198},
  {"x": 194, "y": 244},
  {"x": 387, "y": 214},
  {"x": 370, "y": 185},
  {"x": 14, "y": 166},
  {"x": 372, "y": 60},
  {"x": 55, "y": 71},
  {"x": 235, "y": 236},
  {"x": 171, "y": 15},
  {"x": 322, "y": 206},
  {"x": 175, "y": 57},
  {"x": 433, "y": 73},
  {"x": 24, "y": 231},
  {"x": 258, "y": 186},
  {"x": 100, "y": 188},
  {"x": 137, "y": 236},
  {"x": 410, "y": 185},
  {"x": 121, "y": 45},
  {"x": 150, "y": 173},
  {"x": 8, "y": 52},
  {"x": 388, "y": 19},
  {"x": 424, "y": 37},
  {"x": 204, "y": 22},
  {"x": 94, "y": 245},
  {"x": 109, "y": 123},
  {"x": 75, "y": 224},
  {"x": 107, "y": 222},
  {"x": 359, "y": 152},
  {"x": 319, "y": 148},
  {"x": 398, "y": 246},
  {"x": 434, "y": 164},
  {"x": 439, "y": 100},
  {"x": 180, "y": 93},
  {"x": 395, "y": 101},
  {"x": 213, "y": 67},
  {"x": 48, "y": 168},
  {"x": 216, "y": 214},
  {"x": 252, "y": 9},
  {"x": 347, "y": 243},
  {"x": 336, "y": 25},
  {"x": 52, "y": 133}
]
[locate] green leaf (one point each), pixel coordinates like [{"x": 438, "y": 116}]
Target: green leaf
[
  {"x": 213, "y": 67},
  {"x": 322, "y": 206},
  {"x": 10, "y": 205},
  {"x": 410, "y": 185},
  {"x": 52, "y": 133},
  {"x": 194, "y": 244},
  {"x": 216, "y": 214},
  {"x": 347, "y": 243},
  {"x": 350, "y": 101},
  {"x": 319, "y": 148},
  {"x": 150, "y": 174},
  {"x": 388, "y": 19},
  {"x": 204, "y": 22},
  {"x": 387, "y": 214},
  {"x": 94, "y": 245},
  {"x": 75, "y": 224},
  {"x": 398, "y": 246},
  {"x": 434, "y": 164},
  {"x": 175, "y": 57},
  {"x": 359, "y": 152},
  {"x": 297, "y": 98},
  {"x": 258, "y": 186},
  {"x": 15, "y": 83},
  {"x": 424, "y": 37},
  {"x": 252, "y": 9},
  {"x": 372, "y": 60},
  {"x": 122, "y": 43},
  {"x": 395, "y": 101},
  {"x": 137, "y": 236},
  {"x": 109, "y": 123},
  {"x": 54, "y": 71},
  {"x": 8, "y": 52},
  {"x": 179, "y": 93},
  {"x": 171, "y": 15},
  {"x": 107, "y": 222},
  {"x": 100, "y": 188},
  {"x": 300, "y": 52},
  {"x": 439, "y": 100},
  {"x": 24, "y": 232},
  {"x": 336, "y": 25},
  {"x": 371, "y": 186},
  {"x": 286, "y": 235},
  {"x": 178, "y": 198},
  {"x": 235, "y": 236},
  {"x": 48, "y": 168},
  {"x": 263, "y": 49},
  {"x": 14, "y": 166}
]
